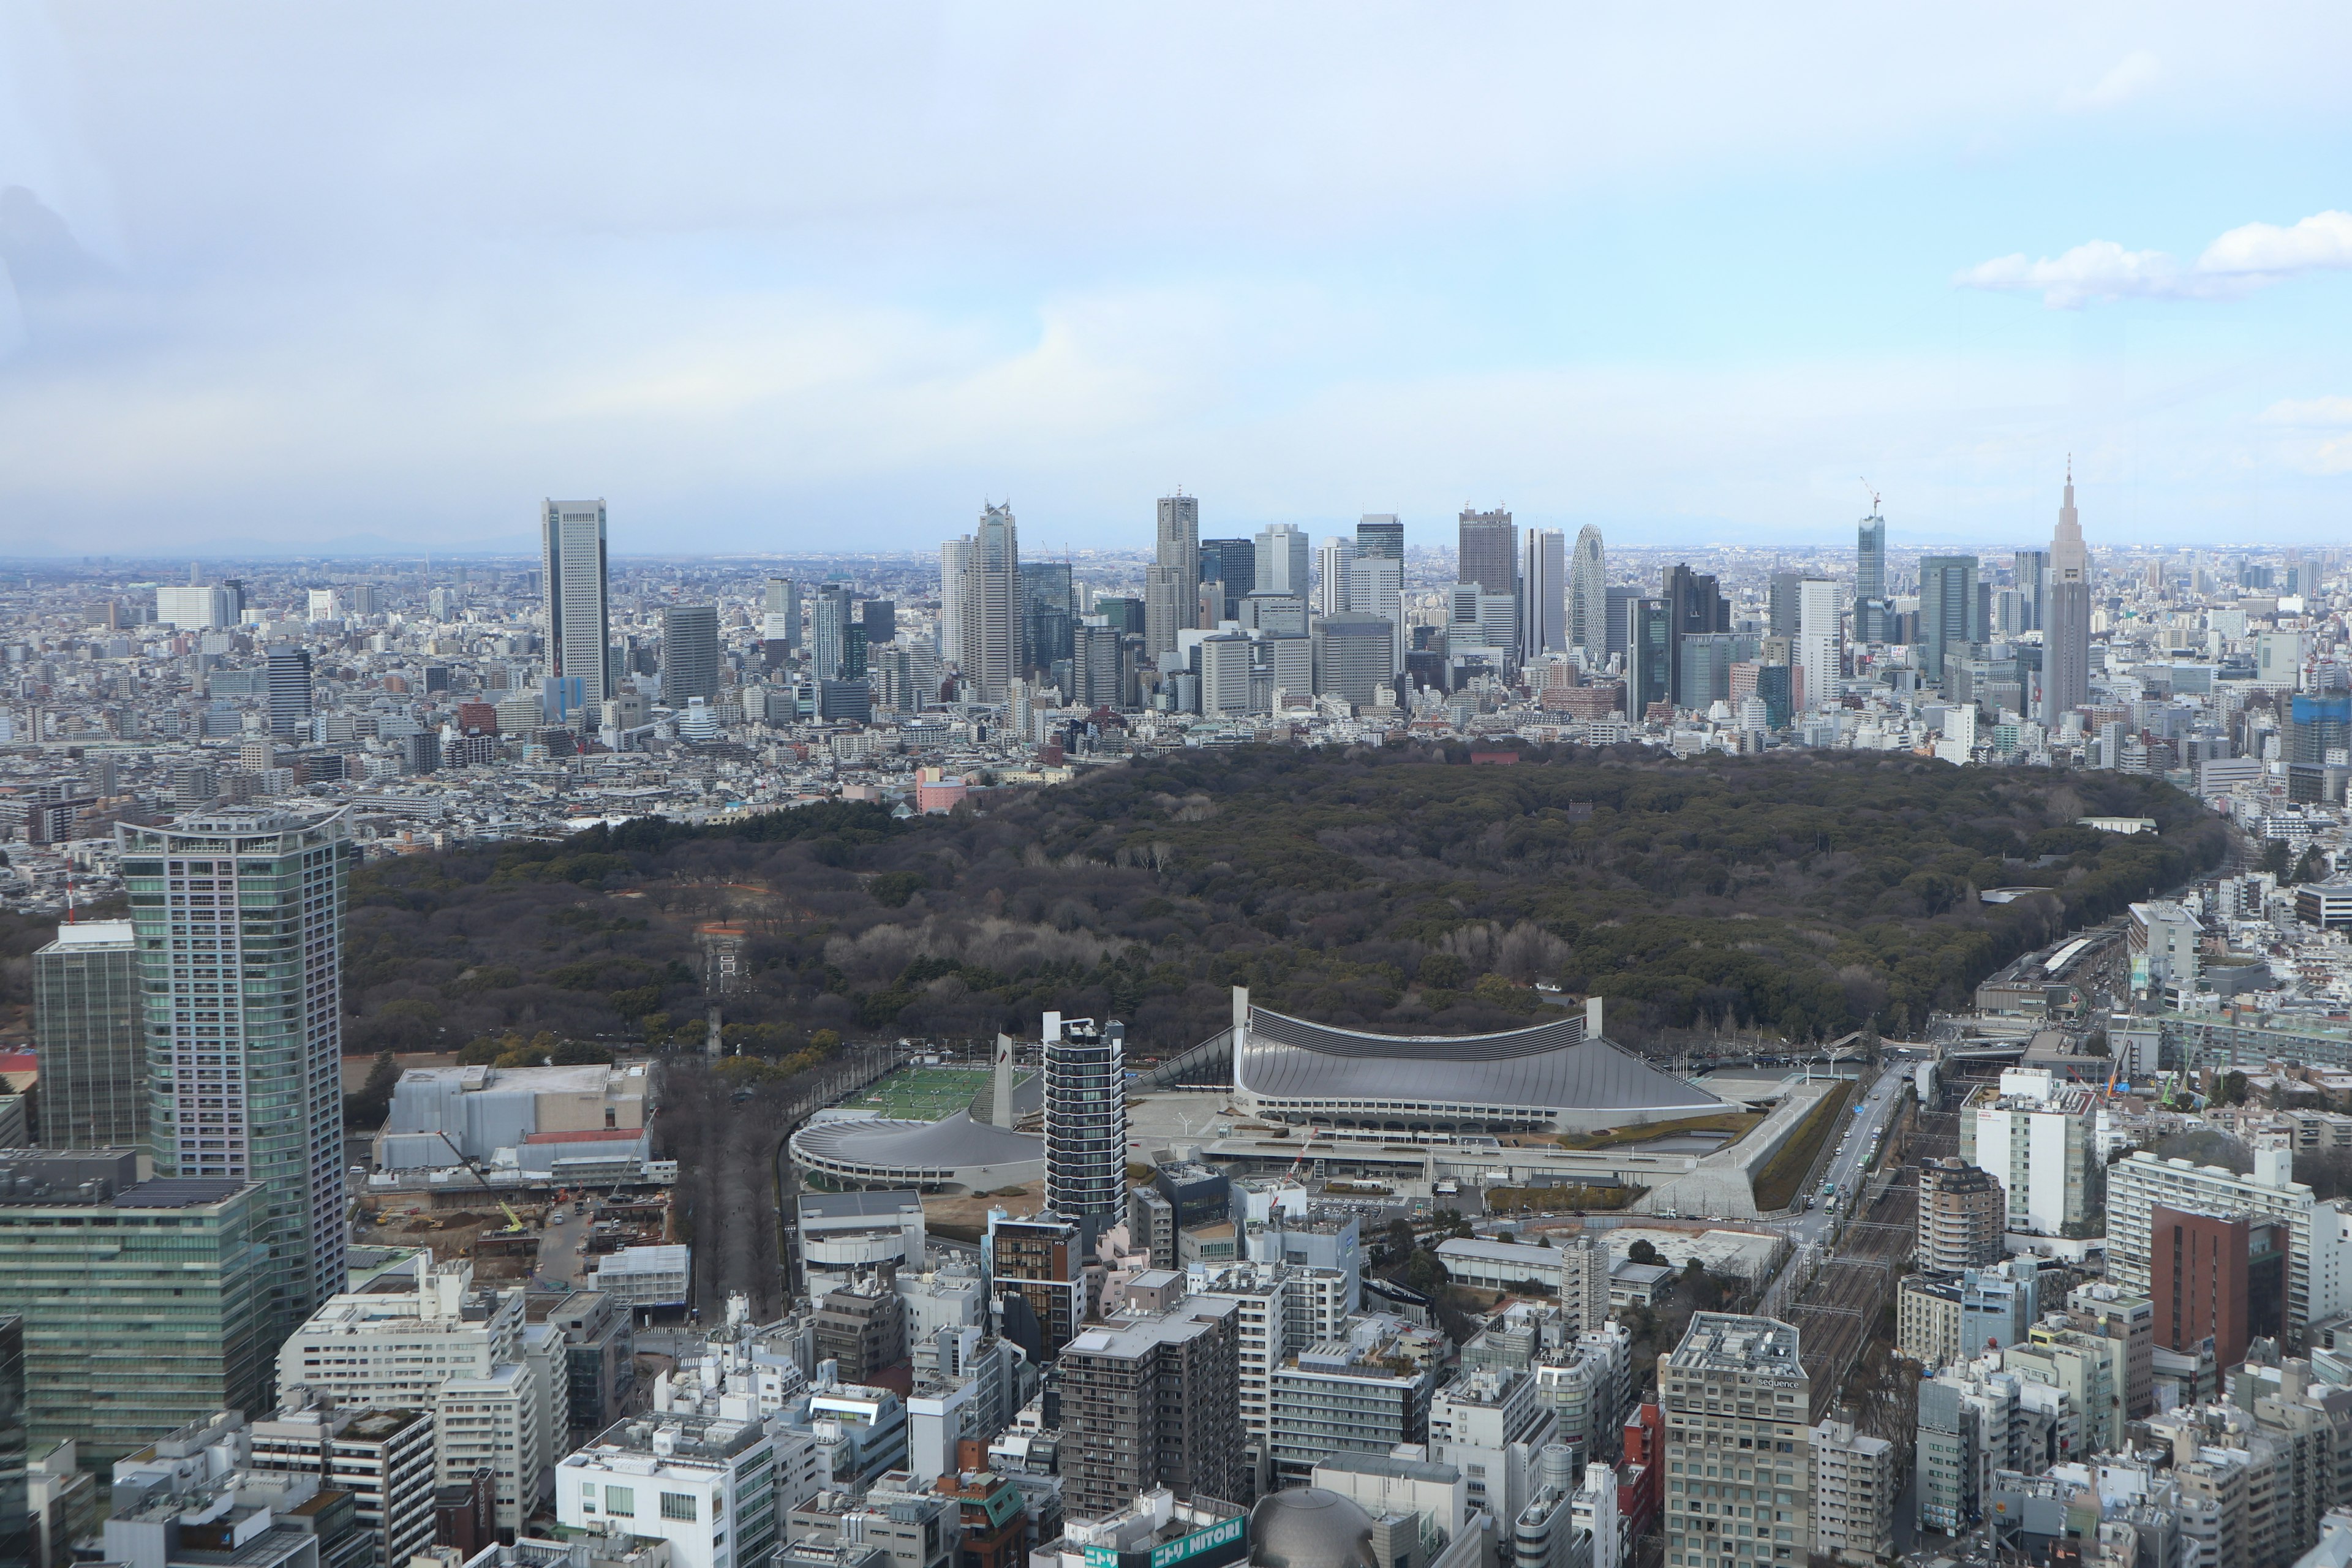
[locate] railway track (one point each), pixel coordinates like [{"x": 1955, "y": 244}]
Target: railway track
[{"x": 1841, "y": 1306}]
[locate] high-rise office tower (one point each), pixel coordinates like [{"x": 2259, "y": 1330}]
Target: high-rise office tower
[
  {"x": 91, "y": 1025},
  {"x": 1048, "y": 610},
  {"x": 240, "y": 921},
  {"x": 1381, "y": 534},
  {"x": 1729, "y": 1362},
  {"x": 1783, "y": 608},
  {"x": 1819, "y": 647},
  {"x": 1543, "y": 594},
  {"x": 1376, "y": 587},
  {"x": 571, "y": 571},
  {"x": 288, "y": 679},
  {"x": 880, "y": 616},
  {"x": 991, "y": 607},
  {"x": 1588, "y": 595},
  {"x": 1282, "y": 560},
  {"x": 2032, "y": 570},
  {"x": 1488, "y": 552},
  {"x": 1649, "y": 661},
  {"x": 1170, "y": 585},
  {"x": 1950, "y": 613},
  {"x": 1335, "y": 561},
  {"x": 1086, "y": 1121},
  {"x": 1233, "y": 562},
  {"x": 829, "y": 618},
  {"x": 1355, "y": 653},
  {"x": 1694, "y": 605},
  {"x": 1178, "y": 543},
  {"x": 955, "y": 574},
  {"x": 780, "y": 621},
  {"x": 1095, "y": 664},
  {"x": 1870, "y": 580},
  {"x": 1618, "y": 597},
  {"x": 144, "y": 1302},
  {"x": 690, "y": 653},
  {"x": 2066, "y": 616}
]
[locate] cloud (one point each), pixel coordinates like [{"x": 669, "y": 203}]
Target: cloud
[
  {"x": 2127, "y": 79},
  {"x": 2250, "y": 257},
  {"x": 2330, "y": 452}
]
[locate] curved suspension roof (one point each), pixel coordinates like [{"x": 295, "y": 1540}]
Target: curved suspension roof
[{"x": 1552, "y": 1066}]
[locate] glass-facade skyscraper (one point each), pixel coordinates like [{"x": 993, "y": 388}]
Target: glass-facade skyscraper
[
  {"x": 91, "y": 1026},
  {"x": 1870, "y": 607},
  {"x": 571, "y": 571},
  {"x": 690, "y": 654},
  {"x": 239, "y": 918}
]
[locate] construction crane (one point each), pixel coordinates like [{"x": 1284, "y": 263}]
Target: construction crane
[
  {"x": 1873, "y": 496},
  {"x": 514, "y": 1220},
  {"x": 1292, "y": 1174}
]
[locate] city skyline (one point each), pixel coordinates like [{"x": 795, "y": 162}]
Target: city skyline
[{"x": 1684, "y": 316}]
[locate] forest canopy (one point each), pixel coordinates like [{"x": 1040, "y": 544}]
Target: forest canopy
[{"x": 1803, "y": 893}]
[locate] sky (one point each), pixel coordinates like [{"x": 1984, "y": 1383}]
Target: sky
[{"x": 789, "y": 278}]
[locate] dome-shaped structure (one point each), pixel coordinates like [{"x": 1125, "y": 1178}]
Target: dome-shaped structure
[{"x": 1310, "y": 1528}]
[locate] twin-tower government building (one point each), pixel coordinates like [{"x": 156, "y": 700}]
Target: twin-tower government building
[{"x": 1560, "y": 1076}]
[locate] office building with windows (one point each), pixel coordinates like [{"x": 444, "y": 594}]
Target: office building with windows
[
  {"x": 705, "y": 1485},
  {"x": 780, "y": 617},
  {"x": 1588, "y": 596},
  {"x": 239, "y": 918},
  {"x": 89, "y": 1022},
  {"x": 1739, "y": 1451},
  {"x": 145, "y": 1303},
  {"x": 990, "y": 616},
  {"x": 572, "y": 579},
  {"x": 383, "y": 1458},
  {"x": 690, "y": 654},
  {"x": 1820, "y": 654},
  {"x": 498, "y": 1387},
  {"x": 1951, "y": 613},
  {"x": 1488, "y": 552},
  {"x": 1871, "y": 611},
  {"x": 288, "y": 679},
  {"x": 2066, "y": 616},
  {"x": 1543, "y": 590},
  {"x": 1150, "y": 1398},
  {"x": 1086, "y": 1120},
  {"x": 1380, "y": 535}
]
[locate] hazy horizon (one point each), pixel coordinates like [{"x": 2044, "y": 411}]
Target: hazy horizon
[{"x": 274, "y": 279}]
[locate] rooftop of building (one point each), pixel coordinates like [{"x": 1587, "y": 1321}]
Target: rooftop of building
[
  {"x": 590, "y": 1078},
  {"x": 951, "y": 1143},
  {"x": 101, "y": 1178},
  {"x": 1553, "y": 1064},
  {"x": 1733, "y": 1341},
  {"x": 1393, "y": 1466},
  {"x": 666, "y": 1259},
  {"x": 671, "y": 1435},
  {"x": 1136, "y": 1334},
  {"x": 95, "y": 933},
  {"x": 868, "y": 1205}
]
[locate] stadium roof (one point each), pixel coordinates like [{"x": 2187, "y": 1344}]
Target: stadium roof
[
  {"x": 1552, "y": 1065},
  {"x": 953, "y": 1142}
]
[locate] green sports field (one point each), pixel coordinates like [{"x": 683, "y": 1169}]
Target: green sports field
[{"x": 923, "y": 1094}]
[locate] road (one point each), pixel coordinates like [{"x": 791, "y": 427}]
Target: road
[
  {"x": 560, "y": 1261},
  {"x": 1845, "y": 1166}
]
